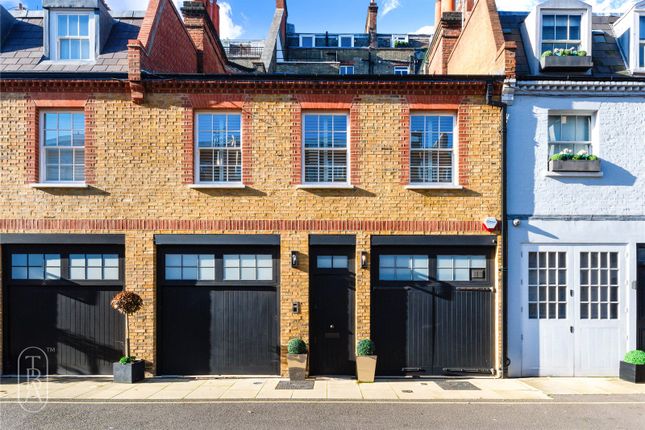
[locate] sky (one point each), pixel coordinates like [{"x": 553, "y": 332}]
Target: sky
[{"x": 250, "y": 19}]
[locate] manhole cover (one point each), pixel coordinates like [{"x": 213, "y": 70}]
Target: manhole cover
[
  {"x": 295, "y": 385},
  {"x": 457, "y": 386}
]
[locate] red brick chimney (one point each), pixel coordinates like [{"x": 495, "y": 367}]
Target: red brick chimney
[
  {"x": 437, "y": 13},
  {"x": 447, "y": 6},
  {"x": 370, "y": 23},
  {"x": 213, "y": 11}
]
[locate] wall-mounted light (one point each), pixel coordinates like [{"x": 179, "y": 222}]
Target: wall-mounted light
[
  {"x": 294, "y": 258},
  {"x": 517, "y": 222},
  {"x": 364, "y": 260}
]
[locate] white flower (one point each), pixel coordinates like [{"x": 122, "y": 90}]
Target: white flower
[
  {"x": 566, "y": 151},
  {"x": 583, "y": 152}
]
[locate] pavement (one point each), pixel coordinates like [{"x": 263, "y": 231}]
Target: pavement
[{"x": 222, "y": 389}]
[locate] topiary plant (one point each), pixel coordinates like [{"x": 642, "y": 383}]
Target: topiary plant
[
  {"x": 127, "y": 303},
  {"x": 365, "y": 347},
  {"x": 636, "y": 357},
  {"x": 297, "y": 346}
]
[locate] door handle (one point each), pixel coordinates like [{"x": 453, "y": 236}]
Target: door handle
[{"x": 571, "y": 329}]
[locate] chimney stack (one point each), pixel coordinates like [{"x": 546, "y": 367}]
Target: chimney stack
[
  {"x": 370, "y": 23},
  {"x": 437, "y": 13},
  {"x": 447, "y": 6},
  {"x": 212, "y": 8}
]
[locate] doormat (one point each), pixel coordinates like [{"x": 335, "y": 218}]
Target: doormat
[
  {"x": 457, "y": 386},
  {"x": 295, "y": 385}
]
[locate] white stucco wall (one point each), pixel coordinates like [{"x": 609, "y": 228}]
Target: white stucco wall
[
  {"x": 575, "y": 211},
  {"x": 619, "y": 140}
]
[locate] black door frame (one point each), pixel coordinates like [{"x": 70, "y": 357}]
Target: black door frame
[
  {"x": 326, "y": 248},
  {"x": 437, "y": 289},
  {"x": 51, "y": 247},
  {"x": 219, "y": 250}
]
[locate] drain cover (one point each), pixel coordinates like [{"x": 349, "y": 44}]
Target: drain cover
[
  {"x": 296, "y": 385},
  {"x": 457, "y": 386},
  {"x": 407, "y": 391}
]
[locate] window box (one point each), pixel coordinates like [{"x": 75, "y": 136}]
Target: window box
[
  {"x": 568, "y": 62},
  {"x": 634, "y": 373},
  {"x": 578, "y": 166}
]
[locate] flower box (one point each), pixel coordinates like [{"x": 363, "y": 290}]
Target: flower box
[
  {"x": 634, "y": 373},
  {"x": 129, "y": 373},
  {"x": 568, "y": 62},
  {"x": 581, "y": 166}
]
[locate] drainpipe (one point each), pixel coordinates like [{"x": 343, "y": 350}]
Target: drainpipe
[{"x": 504, "y": 107}]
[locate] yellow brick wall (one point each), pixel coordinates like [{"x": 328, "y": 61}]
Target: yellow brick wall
[{"x": 139, "y": 177}]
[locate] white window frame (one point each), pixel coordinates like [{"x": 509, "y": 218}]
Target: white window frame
[
  {"x": 347, "y": 182},
  {"x": 640, "y": 45},
  {"x": 582, "y": 42},
  {"x": 399, "y": 69},
  {"x": 346, "y": 68},
  {"x": 593, "y": 149},
  {"x": 196, "y": 149},
  {"x": 313, "y": 40},
  {"x": 340, "y": 37},
  {"x": 455, "y": 150},
  {"x": 42, "y": 148},
  {"x": 54, "y": 51}
]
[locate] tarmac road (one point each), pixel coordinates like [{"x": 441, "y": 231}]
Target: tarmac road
[{"x": 564, "y": 412}]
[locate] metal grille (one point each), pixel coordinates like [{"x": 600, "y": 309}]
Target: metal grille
[
  {"x": 547, "y": 285},
  {"x": 431, "y": 149},
  {"x": 599, "y": 285}
]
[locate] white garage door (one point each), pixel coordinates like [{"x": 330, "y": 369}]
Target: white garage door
[{"x": 572, "y": 311}]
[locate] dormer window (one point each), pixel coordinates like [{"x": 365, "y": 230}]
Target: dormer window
[
  {"x": 72, "y": 36},
  {"x": 561, "y": 32},
  {"x": 346, "y": 41}
]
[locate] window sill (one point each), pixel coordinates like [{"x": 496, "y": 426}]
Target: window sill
[
  {"x": 325, "y": 186},
  {"x": 214, "y": 186},
  {"x": 433, "y": 187},
  {"x": 573, "y": 174},
  {"x": 58, "y": 185}
]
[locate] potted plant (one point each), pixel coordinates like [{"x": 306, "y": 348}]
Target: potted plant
[
  {"x": 567, "y": 161},
  {"x": 561, "y": 59},
  {"x": 365, "y": 361},
  {"x": 128, "y": 369},
  {"x": 297, "y": 359},
  {"x": 632, "y": 368}
]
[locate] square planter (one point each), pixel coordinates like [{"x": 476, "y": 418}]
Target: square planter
[
  {"x": 580, "y": 166},
  {"x": 555, "y": 63},
  {"x": 366, "y": 368},
  {"x": 129, "y": 373},
  {"x": 297, "y": 364},
  {"x": 632, "y": 372}
]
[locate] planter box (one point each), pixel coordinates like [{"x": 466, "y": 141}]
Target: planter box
[
  {"x": 632, "y": 372},
  {"x": 129, "y": 373},
  {"x": 555, "y": 63},
  {"x": 581, "y": 166},
  {"x": 297, "y": 364},
  {"x": 366, "y": 368}
]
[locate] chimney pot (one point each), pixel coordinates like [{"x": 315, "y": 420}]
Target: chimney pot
[{"x": 448, "y": 6}]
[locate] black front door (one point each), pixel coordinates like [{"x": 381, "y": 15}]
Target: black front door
[
  {"x": 640, "y": 299},
  {"x": 332, "y": 310}
]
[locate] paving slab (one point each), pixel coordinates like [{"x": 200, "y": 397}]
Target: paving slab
[
  {"x": 377, "y": 391},
  {"x": 343, "y": 389},
  {"x": 269, "y": 391},
  {"x": 319, "y": 392},
  {"x": 141, "y": 391}
]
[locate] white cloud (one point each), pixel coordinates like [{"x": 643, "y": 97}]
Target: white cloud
[
  {"x": 426, "y": 29},
  {"x": 599, "y": 6},
  {"x": 389, "y": 6},
  {"x": 228, "y": 28}
]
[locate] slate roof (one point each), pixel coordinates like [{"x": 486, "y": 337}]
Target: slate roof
[
  {"x": 606, "y": 57},
  {"x": 22, "y": 48}
]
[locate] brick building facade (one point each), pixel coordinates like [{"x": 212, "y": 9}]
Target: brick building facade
[{"x": 143, "y": 197}]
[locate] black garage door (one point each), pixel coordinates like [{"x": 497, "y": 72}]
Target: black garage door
[
  {"x": 432, "y": 310},
  {"x": 218, "y": 310},
  {"x": 57, "y": 299}
]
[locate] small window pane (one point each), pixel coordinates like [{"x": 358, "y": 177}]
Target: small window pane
[
  {"x": 324, "y": 262},
  {"x": 19, "y": 273},
  {"x": 340, "y": 262},
  {"x": 83, "y": 22},
  {"x": 72, "y": 29},
  {"x": 19, "y": 259},
  {"x": 231, "y": 274},
  {"x": 62, "y": 25},
  {"x": 173, "y": 273}
]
